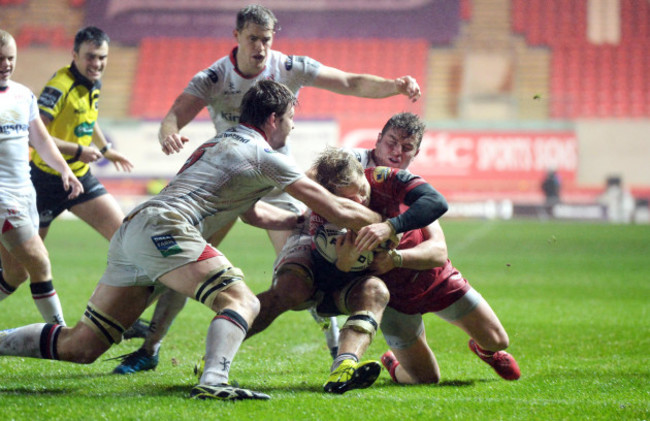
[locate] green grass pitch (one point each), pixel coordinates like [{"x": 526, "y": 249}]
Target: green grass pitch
[{"x": 574, "y": 297}]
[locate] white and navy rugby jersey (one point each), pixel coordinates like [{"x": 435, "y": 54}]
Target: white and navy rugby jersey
[
  {"x": 224, "y": 177},
  {"x": 17, "y": 108},
  {"x": 222, "y": 87}
]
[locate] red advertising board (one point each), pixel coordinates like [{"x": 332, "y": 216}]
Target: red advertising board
[{"x": 498, "y": 160}]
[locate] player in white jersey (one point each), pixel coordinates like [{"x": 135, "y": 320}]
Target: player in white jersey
[
  {"x": 163, "y": 242},
  {"x": 220, "y": 88},
  {"x": 22, "y": 251}
]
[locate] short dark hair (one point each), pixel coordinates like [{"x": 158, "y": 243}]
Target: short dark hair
[
  {"x": 408, "y": 123},
  {"x": 257, "y": 14},
  {"x": 92, "y": 34},
  {"x": 263, "y": 99}
]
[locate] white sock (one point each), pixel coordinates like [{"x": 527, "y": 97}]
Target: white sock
[
  {"x": 23, "y": 341},
  {"x": 47, "y": 302},
  {"x": 223, "y": 341},
  {"x": 339, "y": 359},
  {"x": 332, "y": 333}
]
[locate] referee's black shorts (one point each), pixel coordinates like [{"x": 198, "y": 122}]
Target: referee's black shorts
[{"x": 51, "y": 199}]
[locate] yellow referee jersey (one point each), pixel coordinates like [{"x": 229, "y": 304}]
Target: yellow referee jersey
[{"x": 70, "y": 100}]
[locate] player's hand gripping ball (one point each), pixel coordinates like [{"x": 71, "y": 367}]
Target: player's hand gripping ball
[{"x": 325, "y": 242}]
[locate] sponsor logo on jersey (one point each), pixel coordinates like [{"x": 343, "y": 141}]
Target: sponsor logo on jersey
[
  {"x": 230, "y": 116},
  {"x": 380, "y": 174},
  {"x": 13, "y": 128},
  {"x": 289, "y": 63},
  {"x": 235, "y": 136},
  {"x": 84, "y": 129},
  {"x": 212, "y": 74},
  {"x": 232, "y": 90},
  {"x": 49, "y": 97},
  {"x": 166, "y": 245}
]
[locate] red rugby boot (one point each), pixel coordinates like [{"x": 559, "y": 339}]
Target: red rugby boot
[
  {"x": 502, "y": 362},
  {"x": 390, "y": 362}
]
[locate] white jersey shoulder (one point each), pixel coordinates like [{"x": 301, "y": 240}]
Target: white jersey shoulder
[
  {"x": 363, "y": 155},
  {"x": 17, "y": 108},
  {"x": 224, "y": 177},
  {"x": 222, "y": 87}
]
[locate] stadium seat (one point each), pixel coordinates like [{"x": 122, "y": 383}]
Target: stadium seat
[{"x": 31, "y": 35}]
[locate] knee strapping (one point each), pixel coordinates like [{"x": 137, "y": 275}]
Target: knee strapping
[
  {"x": 217, "y": 281},
  {"x": 363, "y": 322},
  {"x": 105, "y": 327}
]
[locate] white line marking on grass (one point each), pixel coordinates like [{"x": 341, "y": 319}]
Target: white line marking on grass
[{"x": 472, "y": 238}]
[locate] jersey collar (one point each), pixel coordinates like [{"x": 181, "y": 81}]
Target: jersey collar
[
  {"x": 257, "y": 130},
  {"x": 233, "y": 60},
  {"x": 83, "y": 80}
]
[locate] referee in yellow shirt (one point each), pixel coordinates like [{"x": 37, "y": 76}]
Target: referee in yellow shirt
[{"x": 68, "y": 106}]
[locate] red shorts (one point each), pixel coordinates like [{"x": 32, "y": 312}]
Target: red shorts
[{"x": 433, "y": 290}]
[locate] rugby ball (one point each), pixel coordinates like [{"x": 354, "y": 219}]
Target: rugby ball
[{"x": 325, "y": 245}]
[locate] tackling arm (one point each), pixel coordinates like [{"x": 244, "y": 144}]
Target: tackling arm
[
  {"x": 266, "y": 216},
  {"x": 339, "y": 211},
  {"x": 430, "y": 253}
]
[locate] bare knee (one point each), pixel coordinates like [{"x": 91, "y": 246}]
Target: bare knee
[
  {"x": 252, "y": 303},
  {"x": 374, "y": 292},
  {"x": 292, "y": 287}
]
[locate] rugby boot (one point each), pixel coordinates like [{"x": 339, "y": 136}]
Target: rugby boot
[
  {"x": 351, "y": 375},
  {"x": 502, "y": 362}
]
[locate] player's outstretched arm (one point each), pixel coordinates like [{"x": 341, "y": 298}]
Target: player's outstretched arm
[
  {"x": 41, "y": 141},
  {"x": 185, "y": 108},
  {"x": 366, "y": 85},
  {"x": 338, "y": 210}
]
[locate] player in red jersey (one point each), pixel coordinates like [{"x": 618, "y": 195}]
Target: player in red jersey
[
  {"x": 420, "y": 279},
  {"x": 363, "y": 298}
]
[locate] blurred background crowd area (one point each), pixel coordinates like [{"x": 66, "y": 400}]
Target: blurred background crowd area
[{"x": 515, "y": 92}]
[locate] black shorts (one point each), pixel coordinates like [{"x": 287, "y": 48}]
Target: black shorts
[{"x": 51, "y": 199}]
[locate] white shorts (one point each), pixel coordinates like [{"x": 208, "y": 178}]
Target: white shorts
[
  {"x": 402, "y": 330},
  {"x": 151, "y": 243},
  {"x": 18, "y": 217},
  {"x": 297, "y": 249}
]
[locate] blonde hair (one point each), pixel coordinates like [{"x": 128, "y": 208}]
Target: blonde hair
[
  {"x": 5, "y": 38},
  {"x": 337, "y": 168}
]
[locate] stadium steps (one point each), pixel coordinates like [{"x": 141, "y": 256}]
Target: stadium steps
[{"x": 118, "y": 81}]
